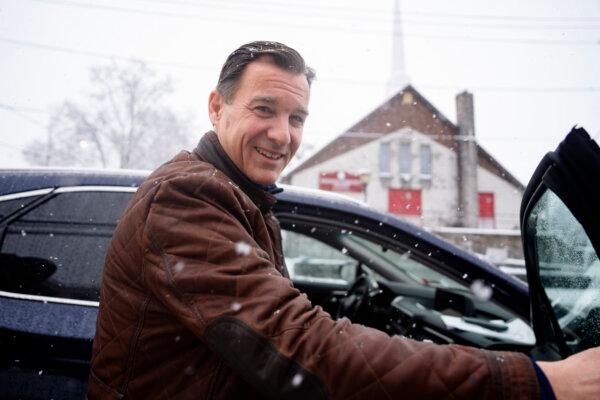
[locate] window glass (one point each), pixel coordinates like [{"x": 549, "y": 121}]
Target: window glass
[
  {"x": 569, "y": 270},
  {"x": 410, "y": 267},
  {"x": 309, "y": 258},
  {"x": 425, "y": 159},
  {"x": 8, "y": 207},
  {"x": 58, "y": 248},
  {"x": 405, "y": 158},
  {"x": 384, "y": 158}
]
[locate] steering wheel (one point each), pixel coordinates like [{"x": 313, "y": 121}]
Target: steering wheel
[{"x": 357, "y": 299}]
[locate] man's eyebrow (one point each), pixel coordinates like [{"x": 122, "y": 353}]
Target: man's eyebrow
[
  {"x": 270, "y": 99},
  {"x": 266, "y": 99},
  {"x": 302, "y": 111}
]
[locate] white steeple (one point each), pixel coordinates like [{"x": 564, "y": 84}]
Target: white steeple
[{"x": 398, "y": 77}]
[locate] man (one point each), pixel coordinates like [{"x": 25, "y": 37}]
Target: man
[{"x": 195, "y": 299}]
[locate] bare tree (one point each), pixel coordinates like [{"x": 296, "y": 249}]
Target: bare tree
[{"x": 124, "y": 123}]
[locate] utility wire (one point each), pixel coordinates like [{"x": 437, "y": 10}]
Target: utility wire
[
  {"x": 23, "y": 109},
  {"x": 10, "y": 146},
  {"x": 324, "y": 79},
  {"x": 363, "y": 15},
  {"x": 108, "y": 56},
  {"x": 354, "y": 30},
  {"x": 318, "y": 7},
  {"x": 563, "y": 89},
  {"x": 20, "y": 114}
]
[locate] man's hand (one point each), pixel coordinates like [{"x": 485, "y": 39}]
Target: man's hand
[{"x": 576, "y": 377}]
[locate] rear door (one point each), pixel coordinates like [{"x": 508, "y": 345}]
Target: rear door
[
  {"x": 52, "y": 247},
  {"x": 560, "y": 223}
]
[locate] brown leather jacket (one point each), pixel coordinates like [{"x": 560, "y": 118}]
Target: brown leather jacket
[{"x": 195, "y": 304}]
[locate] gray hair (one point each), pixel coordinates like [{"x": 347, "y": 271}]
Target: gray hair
[{"x": 281, "y": 55}]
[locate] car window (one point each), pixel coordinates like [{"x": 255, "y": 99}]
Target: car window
[
  {"x": 415, "y": 270},
  {"x": 569, "y": 270},
  {"x": 7, "y": 207},
  {"x": 310, "y": 259},
  {"x": 58, "y": 248}
]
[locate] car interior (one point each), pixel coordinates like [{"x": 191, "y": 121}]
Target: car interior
[{"x": 359, "y": 275}]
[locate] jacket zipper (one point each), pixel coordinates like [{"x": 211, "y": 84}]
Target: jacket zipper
[{"x": 213, "y": 384}]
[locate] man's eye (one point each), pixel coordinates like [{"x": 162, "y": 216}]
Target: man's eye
[
  {"x": 263, "y": 110},
  {"x": 297, "y": 120}
]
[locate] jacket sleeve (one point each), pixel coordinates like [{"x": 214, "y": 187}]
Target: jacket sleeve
[{"x": 203, "y": 264}]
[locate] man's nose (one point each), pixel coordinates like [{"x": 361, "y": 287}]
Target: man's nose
[{"x": 279, "y": 132}]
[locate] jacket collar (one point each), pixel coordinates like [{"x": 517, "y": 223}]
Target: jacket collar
[{"x": 209, "y": 149}]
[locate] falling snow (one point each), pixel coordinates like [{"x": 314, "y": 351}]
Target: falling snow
[
  {"x": 481, "y": 290},
  {"x": 236, "y": 306},
  {"x": 242, "y": 248},
  {"x": 297, "y": 380},
  {"x": 179, "y": 266}
]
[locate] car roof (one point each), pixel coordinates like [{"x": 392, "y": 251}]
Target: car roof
[{"x": 23, "y": 180}]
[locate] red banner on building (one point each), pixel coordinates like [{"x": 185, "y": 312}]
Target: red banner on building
[
  {"x": 340, "y": 181},
  {"x": 404, "y": 201}
]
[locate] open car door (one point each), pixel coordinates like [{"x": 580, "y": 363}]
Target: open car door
[{"x": 560, "y": 225}]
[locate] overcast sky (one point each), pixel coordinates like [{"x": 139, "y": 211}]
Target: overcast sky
[{"x": 533, "y": 67}]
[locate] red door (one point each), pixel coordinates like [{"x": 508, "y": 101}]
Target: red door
[
  {"x": 486, "y": 205},
  {"x": 487, "y": 214}
]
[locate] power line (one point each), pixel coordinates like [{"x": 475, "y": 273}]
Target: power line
[
  {"x": 16, "y": 111},
  {"x": 10, "y": 146},
  {"x": 23, "y": 109},
  {"x": 511, "y": 89},
  {"x": 484, "y": 88},
  {"x": 363, "y": 15},
  {"x": 318, "y": 27},
  {"x": 361, "y": 11},
  {"x": 108, "y": 56}
]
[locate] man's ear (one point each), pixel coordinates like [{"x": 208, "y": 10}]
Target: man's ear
[{"x": 215, "y": 106}]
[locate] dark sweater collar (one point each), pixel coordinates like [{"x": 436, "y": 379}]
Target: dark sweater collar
[{"x": 210, "y": 150}]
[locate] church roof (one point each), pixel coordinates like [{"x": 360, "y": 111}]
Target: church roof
[{"x": 407, "y": 108}]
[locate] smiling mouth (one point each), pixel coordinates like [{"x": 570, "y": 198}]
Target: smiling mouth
[{"x": 268, "y": 154}]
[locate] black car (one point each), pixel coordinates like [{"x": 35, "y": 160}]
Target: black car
[{"x": 349, "y": 259}]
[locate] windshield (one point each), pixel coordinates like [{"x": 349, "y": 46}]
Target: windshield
[{"x": 406, "y": 264}]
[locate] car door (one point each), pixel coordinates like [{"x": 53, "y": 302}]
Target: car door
[
  {"x": 560, "y": 223},
  {"x": 52, "y": 246}
]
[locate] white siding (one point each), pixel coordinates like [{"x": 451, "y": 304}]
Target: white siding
[
  {"x": 507, "y": 198},
  {"x": 439, "y": 195}
]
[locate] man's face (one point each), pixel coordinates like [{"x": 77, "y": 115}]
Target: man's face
[{"x": 262, "y": 127}]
